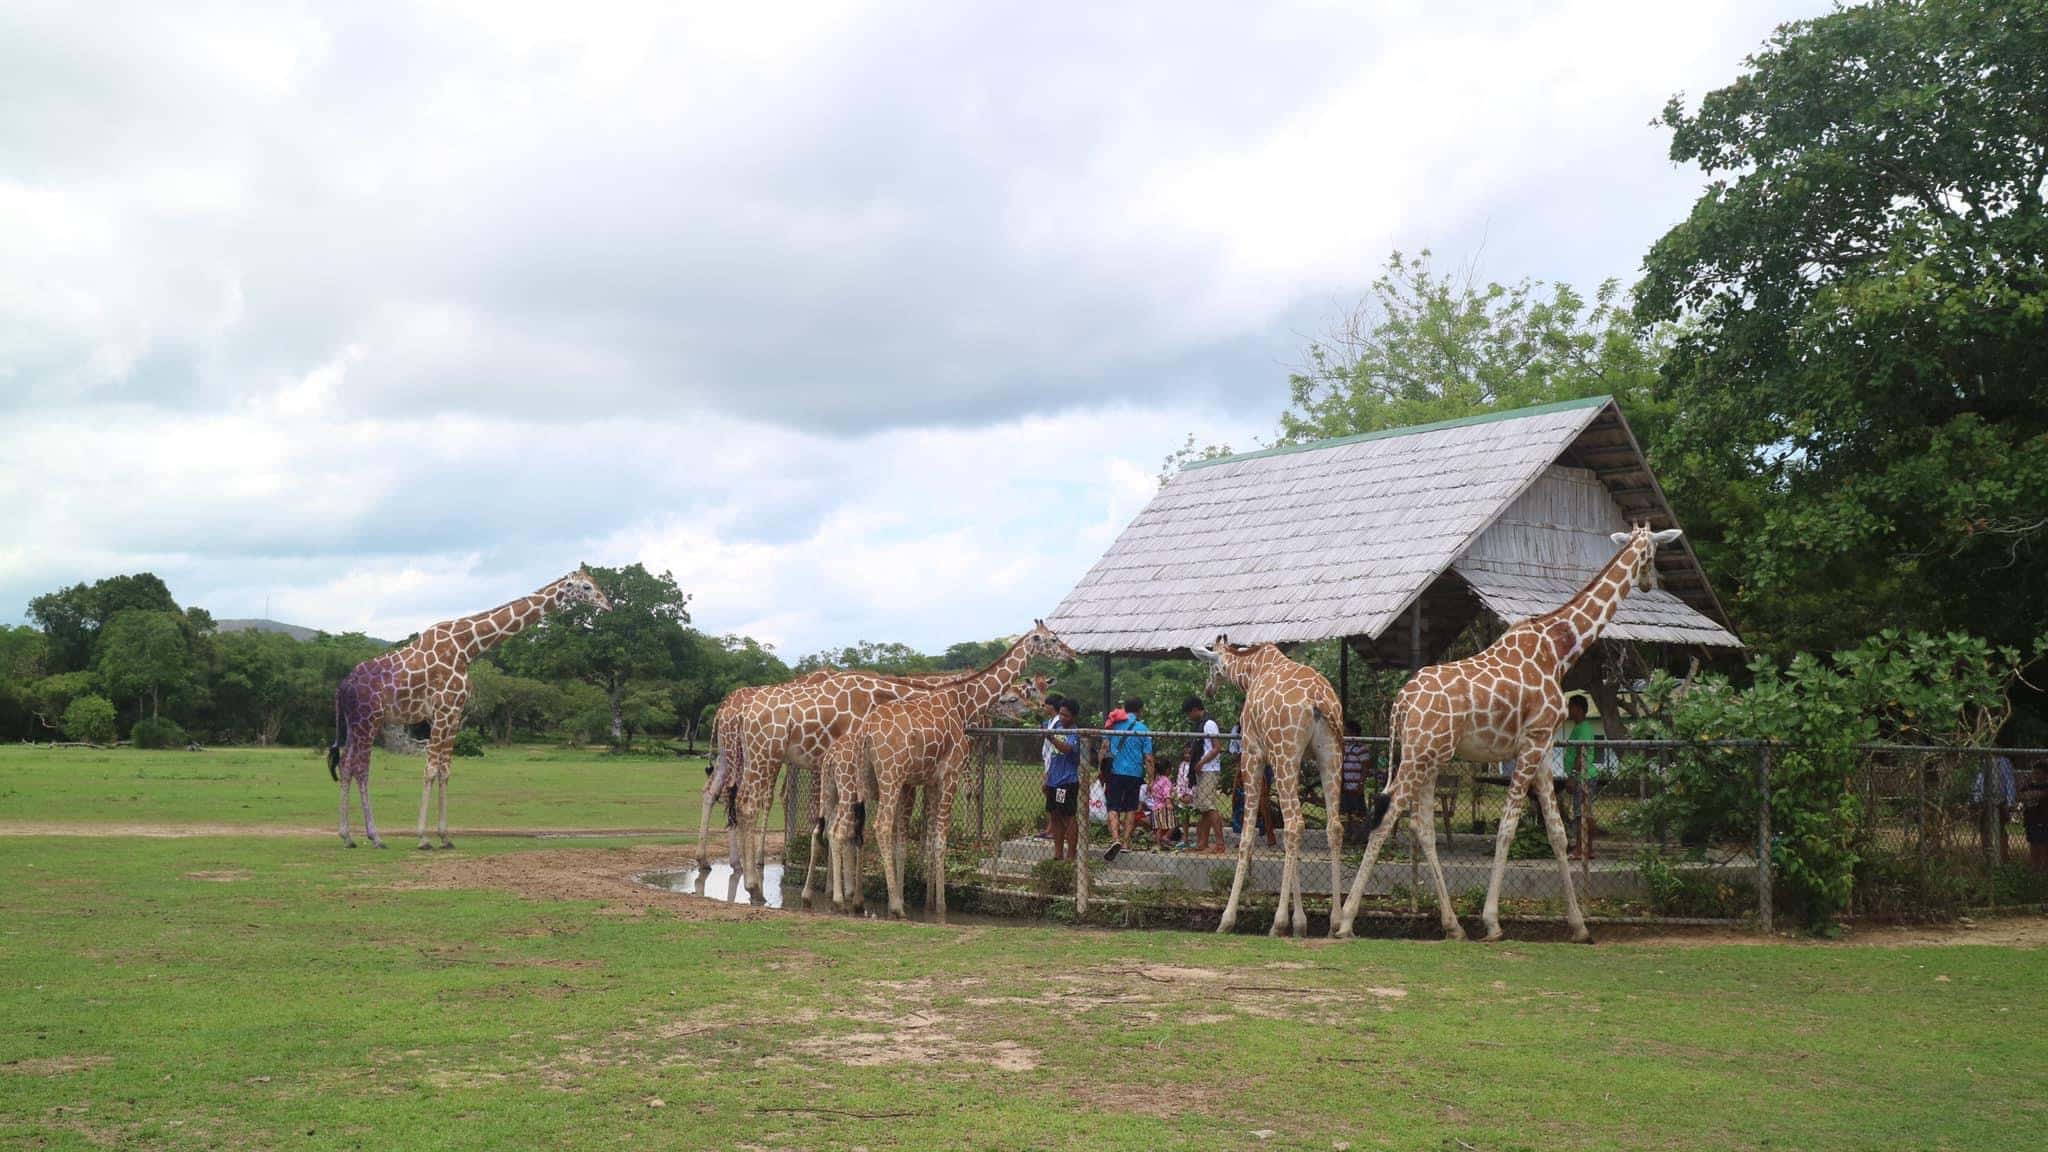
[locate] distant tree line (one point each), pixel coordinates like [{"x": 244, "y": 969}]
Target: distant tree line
[{"x": 120, "y": 658}]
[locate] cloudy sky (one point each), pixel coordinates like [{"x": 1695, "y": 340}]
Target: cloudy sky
[{"x": 868, "y": 321}]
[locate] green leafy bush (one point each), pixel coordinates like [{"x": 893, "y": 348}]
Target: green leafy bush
[
  {"x": 90, "y": 718},
  {"x": 1053, "y": 877},
  {"x": 469, "y": 742},
  {"x": 157, "y": 733}
]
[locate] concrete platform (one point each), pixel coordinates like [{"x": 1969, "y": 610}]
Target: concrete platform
[{"x": 1467, "y": 862}]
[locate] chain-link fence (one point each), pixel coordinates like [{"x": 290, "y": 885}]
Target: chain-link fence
[{"x": 1655, "y": 831}]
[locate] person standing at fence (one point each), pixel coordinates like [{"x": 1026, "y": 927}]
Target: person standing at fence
[
  {"x": 1130, "y": 769},
  {"x": 1205, "y": 764},
  {"x": 1045, "y": 751},
  {"x": 2034, "y": 814},
  {"x": 1063, "y": 781},
  {"x": 1580, "y": 767},
  {"x": 2005, "y": 797},
  {"x": 1351, "y": 786}
]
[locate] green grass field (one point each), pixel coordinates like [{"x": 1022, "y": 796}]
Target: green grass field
[
  {"x": 268, "y": 991},
  {"x": 517, "y": 787}
]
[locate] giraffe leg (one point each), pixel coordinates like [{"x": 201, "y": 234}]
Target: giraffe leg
[
  {"x": 1290, "y": 869},
  {"x": 886, "y": 832},
  {"x": 817, "y": 826},
  {"x": 1329, "y": 749},
  {"x": 440, "y": 751},
  {"x": 1510, "y": 817},
  {"x": 426, "y": 800},
  {"x": 347, "y": 841},
  {"x": 1553, "y": 824},
  {"x": 1426, "y": 837},
  {"x": 363, "y": 791},
  {"x": 441, "y": 802},
  {"x": 1247, "y": 772},
  {"x": 1412, "y": 788}
]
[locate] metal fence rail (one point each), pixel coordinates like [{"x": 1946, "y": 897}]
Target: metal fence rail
[{"x": 1933, "y": 834}]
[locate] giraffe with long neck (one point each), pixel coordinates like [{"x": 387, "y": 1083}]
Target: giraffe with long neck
[
  {"x": 794, "y": 724},
  {"x": 1290, "y": 712},
  {"x": 920, "y": 740},
  {"x": 840, "y": 798},
  {"x": 428, "y": 679},
  {"x": 1506, "y": 702}
]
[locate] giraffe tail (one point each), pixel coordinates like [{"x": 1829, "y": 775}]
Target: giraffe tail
[{"x": 334, "y": 749}]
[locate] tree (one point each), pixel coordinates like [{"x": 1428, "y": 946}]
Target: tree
[
  {"x": 23, "y": 652},
  {"x": 90, "y": 719},
  {"x": 890, "y": 658},
  {"x": 1426, "y": 346},
  {"x": 255, "y": 686},
  {"x": 1855, "y": 392},
  {"x": 642, "y": 637},
  {"x": 71, "y": 618},
  {"x": 142, "y": 653}
]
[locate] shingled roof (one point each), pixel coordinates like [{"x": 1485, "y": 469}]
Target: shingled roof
[{"x": 1338, "y": 538}]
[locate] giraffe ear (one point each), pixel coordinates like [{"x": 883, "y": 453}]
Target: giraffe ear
[
  {"x": 1618, "y": 537},
  {"x": 1667, "y": 535}
]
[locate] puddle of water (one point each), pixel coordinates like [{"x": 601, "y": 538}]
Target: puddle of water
[{"x": 719, "y": 883}]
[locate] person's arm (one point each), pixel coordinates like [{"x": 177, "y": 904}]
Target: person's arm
[{"x": 1061, "y": 744}]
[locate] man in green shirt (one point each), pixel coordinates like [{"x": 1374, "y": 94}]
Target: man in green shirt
[{"x": 1579, "y": 768}]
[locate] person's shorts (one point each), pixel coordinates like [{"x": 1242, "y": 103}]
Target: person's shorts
[
  {"x": 1205, "y": 791},
  {"x": 1351, "y": 804},
  {"x": 1060, "y": 805},
  {"x": 2037, "y": 833},
  {"x": 1122, "y": 792}
]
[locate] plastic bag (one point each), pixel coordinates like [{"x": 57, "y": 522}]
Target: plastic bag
[{"x": 1098, "y": 803}]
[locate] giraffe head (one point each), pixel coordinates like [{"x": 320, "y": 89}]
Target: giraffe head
[
  {"x": 1024, "y": 696},
  {"x": 1227, "y": 663},
  {"x": 578, "y": 587},
  {"x": 1040, "y": 642},
  {"x": 1643, "y": 570}
]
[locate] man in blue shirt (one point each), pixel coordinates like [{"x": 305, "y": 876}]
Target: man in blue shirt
[
  {"x": 1130, "y": 770},
  {"x": 1062, "y": 781}
]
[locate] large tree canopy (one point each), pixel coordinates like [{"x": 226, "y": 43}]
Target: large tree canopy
[
  {"x": 1857, "y": 394},
  {"x": 1424, "y": 346}
]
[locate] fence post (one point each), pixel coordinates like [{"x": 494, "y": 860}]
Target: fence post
[
  {"x": 981, "y": 792},
  {"x": 1987, "y": 819},
  {"x": 1763, "y": 839},
  {"x": 1082, "y": 783},
  {"x": 1920, "y": 822}
]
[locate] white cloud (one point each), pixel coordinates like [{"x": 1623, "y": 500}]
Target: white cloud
[{"x": 389, "y": 311}]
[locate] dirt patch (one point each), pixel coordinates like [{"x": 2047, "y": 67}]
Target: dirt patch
[
  {"x": 605, "y": 875},
  {"x": 918, "y": 1038},
  {"x": 54, "y": 1065},
  {"x": 221, "y": 876}
]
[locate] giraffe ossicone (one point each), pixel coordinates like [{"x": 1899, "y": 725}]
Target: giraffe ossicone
[
  {"x": 1504, "y": 703},
  {"x": 428, "y": 679}
]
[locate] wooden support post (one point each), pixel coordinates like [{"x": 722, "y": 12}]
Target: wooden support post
[
  {"x": 1108, "y": 694},
  {"x": 1415, "y": 635},
  {"x": 1763, "y": 837},
  {"x": 1344, "y": 673}
]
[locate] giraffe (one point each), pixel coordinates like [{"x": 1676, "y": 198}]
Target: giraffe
[
  {"x": 840, "y": 794},
  {"x": 1290, "y": 711},
  {"x": 921, "y": 741},
  {"x": 1504, "y": 702},
  {"x": 796, "y": 723},
  {"x": 725, "y": 760},
  {"x": 428, "y": 679}
]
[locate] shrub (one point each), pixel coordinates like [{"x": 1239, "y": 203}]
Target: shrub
[
  {"x": 90, "y": 718},
  {"x": 1053, "y": 877},
  {"x": 156, "y": 732},
  {"x": 469, "y": 742}
]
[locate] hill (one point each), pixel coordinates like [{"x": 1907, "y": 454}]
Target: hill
[{"x": 295, "y": 631}]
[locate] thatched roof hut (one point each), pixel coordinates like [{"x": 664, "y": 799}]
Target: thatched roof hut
[{"x": 1395, "y": 540}]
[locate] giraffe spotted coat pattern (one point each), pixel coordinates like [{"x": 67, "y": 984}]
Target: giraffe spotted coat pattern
[
  {"x": 1506, "y": 702},
  {"x": 428, "y": 679},
  {"x": 1290, "y": 712}
]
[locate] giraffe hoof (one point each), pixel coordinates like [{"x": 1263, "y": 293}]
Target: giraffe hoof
[
  {"x": 426, "y": 847},
  {"x": 1493, "y": 936},
  {"x": 378, "y": 843},
  {"x": 348, "y": 843},
  {"x": 447, "y": 843}
]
